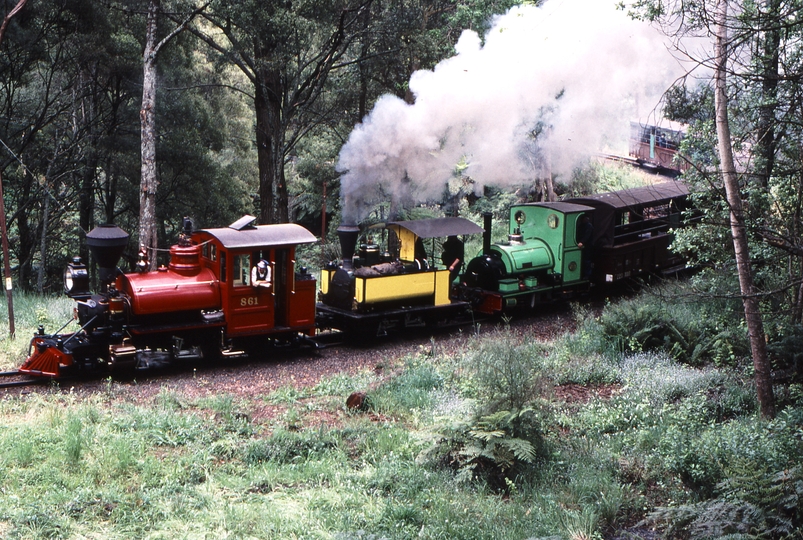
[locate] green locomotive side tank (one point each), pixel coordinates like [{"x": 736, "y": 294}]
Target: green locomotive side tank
[{"x": 541, "y": 256}]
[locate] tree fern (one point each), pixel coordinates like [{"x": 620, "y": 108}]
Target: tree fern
[{"x": 490, "y": 447}]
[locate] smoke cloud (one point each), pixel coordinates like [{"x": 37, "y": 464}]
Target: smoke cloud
[{"x": 579, "y": 69}]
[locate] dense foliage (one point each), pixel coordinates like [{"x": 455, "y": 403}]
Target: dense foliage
[{"x": 72, "y": 79}]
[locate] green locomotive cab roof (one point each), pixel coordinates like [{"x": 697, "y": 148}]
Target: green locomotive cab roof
[{"x": 562, "y": 207}]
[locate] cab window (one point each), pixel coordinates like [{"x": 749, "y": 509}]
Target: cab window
[
  {"x": 209, "y": 251},
  {"x": 242, "y": 270}
]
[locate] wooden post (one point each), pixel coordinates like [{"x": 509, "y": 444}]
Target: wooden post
[{"x": 6, "y": 262}]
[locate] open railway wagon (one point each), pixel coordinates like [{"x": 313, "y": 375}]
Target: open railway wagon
[
  {"x": 547, "y": 257},
  {"x": 656, "y": 148},
  {"x": 210, "y": 301},
  {"x": 396, "y": 282}
]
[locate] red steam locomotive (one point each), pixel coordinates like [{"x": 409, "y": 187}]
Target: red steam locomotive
[{"x": 225, "y": 291}]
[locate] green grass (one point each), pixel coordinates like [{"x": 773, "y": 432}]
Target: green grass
[
  {"x": 679, "y": 445},
  {"x": 30, "y": 311}
]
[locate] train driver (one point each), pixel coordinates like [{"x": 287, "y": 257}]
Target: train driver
[
  {"x": 260, "y": 274},
  {"x": 585, "y": 241},
  {"x": 453, "y": 255}
]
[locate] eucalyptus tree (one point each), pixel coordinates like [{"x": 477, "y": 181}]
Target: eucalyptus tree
[
  {"x": 198, "y": 137},
  {"x": 752, "y": 308},
  {"x": 71, "y": 77},
  {"x": 757, "y": 68},
  {"x": 319, "y": 65},
  {"x": 286, "y": 50},
  {"x": 398, "y": 37},
  {"x": 46, "y": 125},
  {"x": 154, "y": 43},
  {"x": 403, "y": 36}
]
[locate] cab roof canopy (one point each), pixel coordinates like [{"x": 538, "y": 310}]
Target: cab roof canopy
[
  {"x": 437, "y": 227},
  {"x": 244, "y": 233}
]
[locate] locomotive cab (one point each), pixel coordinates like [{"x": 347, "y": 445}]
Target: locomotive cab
[{"x": 279, "y": 301}]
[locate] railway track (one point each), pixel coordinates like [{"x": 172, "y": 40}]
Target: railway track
[
  {"x": 13, "y": 379},
  {"x": 327, "y": 353}
]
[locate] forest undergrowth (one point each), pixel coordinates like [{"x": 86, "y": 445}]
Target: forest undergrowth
[{"x": 642, "y": 423}]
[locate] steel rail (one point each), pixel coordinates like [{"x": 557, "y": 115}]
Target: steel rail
[{"x": 28, "y": 381}]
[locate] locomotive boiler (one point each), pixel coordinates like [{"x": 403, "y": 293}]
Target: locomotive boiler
[{"x": 209, "y": 301}]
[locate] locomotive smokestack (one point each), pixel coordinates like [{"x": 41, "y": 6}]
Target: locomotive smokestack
[
  {"x": 487, "y": 217},
  {"x": 348, "y": 243},
  {"x": 107, "y": 243}
]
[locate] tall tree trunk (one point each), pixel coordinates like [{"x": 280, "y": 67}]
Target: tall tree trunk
[
  {"x": 797, "y": 273},
  {"x": 148, "y": 231},
  {"x": 149, "y": 181},
  {"x": 26, "y": 239},
  {"x": 797, "y": 312},
  {"x": 770, "y": 40},
  {"x": 265, "y": 157},
  {"x": 40, "y": 277},
  {"x": 282, "y": 197},
  {"x": 84, "y": 113},
  {"x": 755, "y": 325},
  {"x": 6, "y": 262},
  {"x": 273, "y": 207}
]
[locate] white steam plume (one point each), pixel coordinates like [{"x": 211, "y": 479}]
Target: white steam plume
[{"x": 581, "y": 67}]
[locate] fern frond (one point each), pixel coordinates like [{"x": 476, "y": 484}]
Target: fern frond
[
  {"x": 487, "y": 435},
  {"x": 523, "y": 450}
]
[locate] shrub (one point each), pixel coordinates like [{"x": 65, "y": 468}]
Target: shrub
[
  {"x": 787, "y": 349},
  {"x": 704, "y": 454},
  {"x": 756, "y": 503},
  {"x": 690, "y": 332},
  {"x": 503, "y": 375}
]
